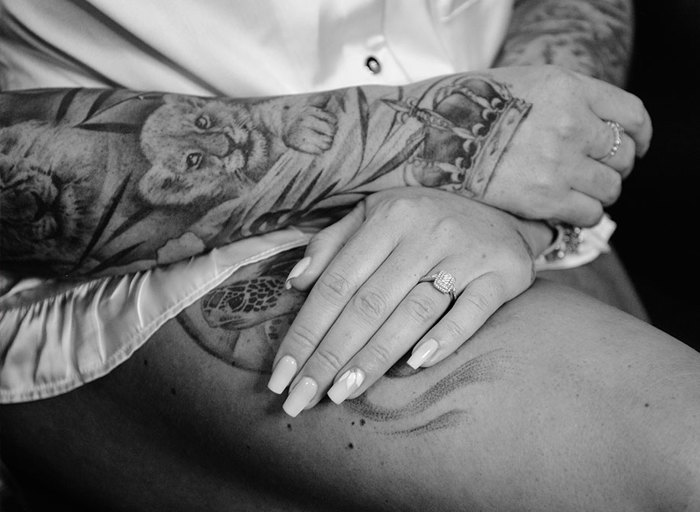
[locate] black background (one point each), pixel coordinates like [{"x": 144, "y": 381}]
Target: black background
[{"x": 657, "y": 214}]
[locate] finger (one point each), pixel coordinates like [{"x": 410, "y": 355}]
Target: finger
[
  {"x": 623, "y": 159},
  {"x": 479, "y": 300},
  {"x": 579, "y": 209},
  {"x": 330, "y": 294},
  {"x": 603, "y": 149},
  {"x": 610, "y": 102},
  {"x": 598, "y": 181},
  {"x": 336, "y": 287},
  {"x": 323, "y": 247},
  {"x": 412, "y": 318},
  {"x": 362, "y": 318}
]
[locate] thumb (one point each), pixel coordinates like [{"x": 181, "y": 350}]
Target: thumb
[{"x": 323, "y": 247}]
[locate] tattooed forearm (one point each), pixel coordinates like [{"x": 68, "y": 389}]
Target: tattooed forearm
[
  {"x": 593, "y": 37},
  {"x": 110, "y": 181}
]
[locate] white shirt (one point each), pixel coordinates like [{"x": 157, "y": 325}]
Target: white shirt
[{"x": 244, "y": 47}]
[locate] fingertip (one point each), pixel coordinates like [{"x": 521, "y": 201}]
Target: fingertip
[
  {"x": 304, "y": 282},
  {"x": 300, "y": 396},
  {"x": 283, "y": 374},
  {"x": 346, "y": 386},
  {"x": 423, "y": 353},
  {"x": 297, "y": 270}
]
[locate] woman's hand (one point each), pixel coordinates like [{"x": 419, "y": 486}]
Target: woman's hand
[
  {"x": 368, "y": 306},
  {"x": 561, "y": 163}
]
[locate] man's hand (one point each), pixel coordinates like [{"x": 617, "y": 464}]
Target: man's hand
[{"x": 558, "y": 164}]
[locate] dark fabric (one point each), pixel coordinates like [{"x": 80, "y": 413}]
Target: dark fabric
[{"x": 658, "y": 212}]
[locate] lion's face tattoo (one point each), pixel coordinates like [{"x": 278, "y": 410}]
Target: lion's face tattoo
[{"x": 200, "y": 150}]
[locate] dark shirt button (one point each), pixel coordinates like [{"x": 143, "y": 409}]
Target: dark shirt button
[{"x": 373, "y": 65}]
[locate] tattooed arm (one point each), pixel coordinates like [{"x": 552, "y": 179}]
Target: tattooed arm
[
  {"x": 110, "y": 181},
  {"x": 593, "y": 37}
]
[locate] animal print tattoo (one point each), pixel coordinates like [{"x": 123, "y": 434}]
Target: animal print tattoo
[
  {"x": 593, "y": 37},
  {"x": 243, "y": 321},
  {"x": 108, "y": 181}
]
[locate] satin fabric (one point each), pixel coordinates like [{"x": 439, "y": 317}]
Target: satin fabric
[{"x": 55, "y": 337}]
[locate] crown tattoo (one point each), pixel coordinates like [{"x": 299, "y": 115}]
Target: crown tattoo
[{"x": 467, "y": 124}]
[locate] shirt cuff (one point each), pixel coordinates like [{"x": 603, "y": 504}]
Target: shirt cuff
[{"x": 574, "y": 247}]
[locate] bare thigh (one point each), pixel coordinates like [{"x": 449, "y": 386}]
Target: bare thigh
[{"x": 559, "y": 403}]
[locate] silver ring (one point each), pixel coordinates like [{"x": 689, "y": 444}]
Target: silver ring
[
  {"x": 444, "y": 282},
  {"x": 617, "y": 138}
]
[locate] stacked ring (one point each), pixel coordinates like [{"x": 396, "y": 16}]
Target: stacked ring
[{"x": 618, "y": 131}]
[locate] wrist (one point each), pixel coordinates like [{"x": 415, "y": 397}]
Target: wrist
[{"x": 538, "y": 235}]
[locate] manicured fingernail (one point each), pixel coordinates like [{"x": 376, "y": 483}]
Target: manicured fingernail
[
  {"x": 300, "y": 396},
  {"x": 349, "y": 382},
  {"x": 422, "y": 353},
  {"x": 283, "y": 374},
  {"x": 297, "y": 270}
]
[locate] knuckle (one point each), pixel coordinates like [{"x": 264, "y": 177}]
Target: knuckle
[
  {"x": 448, "y": 226},
  {"x": 479, "y": 301},
  {"x": 401, "y": 206},
  {"x": 381, "y": 355},
  {"x": 421, "y": 308},
  {"x": 335, "y": 287},
  {"x": 568, "y": 126},
  {"x": 303, "y": 337},
  {"x": 328, "y": 359},
  {"x": 550, "y": 154},
  {"x": 548, "y": 183},
  {"x": 370, "y": 303},
  {"x": 454, "y": 330}
]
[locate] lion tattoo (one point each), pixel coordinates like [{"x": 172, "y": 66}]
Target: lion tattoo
[
  {"x": 46, "y": 203},
  {"x": 203, "y": 151}
]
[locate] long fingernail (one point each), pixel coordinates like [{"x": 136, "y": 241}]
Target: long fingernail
[
  {"x": 297, "y": 270},
  {"x": 283, "y": 374},
  {"x": 422, "y": 353},
  {"x": 349, "y": 382},
  {"x": 300, "y": 396}
]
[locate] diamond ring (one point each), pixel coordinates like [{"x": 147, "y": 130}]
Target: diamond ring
[{"x": 444, "y": 282}]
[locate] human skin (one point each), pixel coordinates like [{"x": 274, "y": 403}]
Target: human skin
[
  {"x": 357, "y": 283},
  {"x": 559, "y": 403},
  {"x": 204, "y": 434},
  {"x": 593, "y": 37},
  {"x": 101, "y": 182}
]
